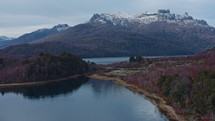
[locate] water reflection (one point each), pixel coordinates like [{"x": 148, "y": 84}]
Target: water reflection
[
  {"x": 103, "y": 88},
  {"x": 85, "y": 100},
  {"x": 50, "y": 90}
]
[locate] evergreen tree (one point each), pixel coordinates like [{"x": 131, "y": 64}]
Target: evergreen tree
[{"x": 132, "y": 59}]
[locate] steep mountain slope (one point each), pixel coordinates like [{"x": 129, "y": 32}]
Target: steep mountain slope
[
  {"x": 39, "y": 34},
  {"x": 126, "y": 35}
]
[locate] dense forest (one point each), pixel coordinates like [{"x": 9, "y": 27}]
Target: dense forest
[
  {"x": 41, "y": 68},
  {"x": 186, "y": 83}
]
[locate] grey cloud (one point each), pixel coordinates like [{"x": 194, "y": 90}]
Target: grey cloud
[{"x": 28, "y": 13}]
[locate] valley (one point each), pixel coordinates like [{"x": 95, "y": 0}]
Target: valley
[{"x": 182, "y": 87}]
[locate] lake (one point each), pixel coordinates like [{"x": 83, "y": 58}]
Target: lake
[
  {"x": 111, "y": 60},
  {"x": 81, "y": 99}
]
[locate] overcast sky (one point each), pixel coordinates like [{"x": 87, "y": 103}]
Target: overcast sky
[{"x": 23, "y": 16}]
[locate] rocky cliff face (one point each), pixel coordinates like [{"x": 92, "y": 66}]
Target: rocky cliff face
[{"x": 146, "y": 18}]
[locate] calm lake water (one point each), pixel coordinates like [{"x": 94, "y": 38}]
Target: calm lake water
[
  {"x": 111, "y": 60},
  {"x": 81, "y": 99}
]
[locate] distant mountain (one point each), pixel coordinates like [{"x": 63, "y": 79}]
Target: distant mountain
[
  {"x": 161, "y": 33},
  {"x": 4, "y": 38},
  {"x": 39, "y": 34}
]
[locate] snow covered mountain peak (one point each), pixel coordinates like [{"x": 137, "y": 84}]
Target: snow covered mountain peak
[
  {"x": 146, "y": 18},
  {"x": 61, "y": 27},
  {"x": 4, "y": 38},
  {"x": 58, "y": 28}
]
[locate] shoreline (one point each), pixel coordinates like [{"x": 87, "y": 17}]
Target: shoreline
[
  {"x": 161, "y": 104},
  {"x": 22, "y": 84}
]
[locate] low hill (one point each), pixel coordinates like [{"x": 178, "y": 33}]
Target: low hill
[{"x": 40, "y": 68}]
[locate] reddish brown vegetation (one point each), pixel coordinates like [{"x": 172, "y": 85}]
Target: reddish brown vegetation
[
  {"x": 186, "y": 83},
  {"x": 40, "y": 68},
  {"x": 12, "y": 70}
]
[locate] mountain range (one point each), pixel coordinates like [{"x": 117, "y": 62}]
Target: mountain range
[
  {"x": 145, "y": 34},
  {"x": 29, "y": 37}
]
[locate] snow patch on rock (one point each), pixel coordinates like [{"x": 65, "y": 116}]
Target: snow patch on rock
[{"x": 125, "y": 19}]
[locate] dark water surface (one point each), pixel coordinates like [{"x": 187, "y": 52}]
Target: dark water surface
[{"x": 81, "y": 99}]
